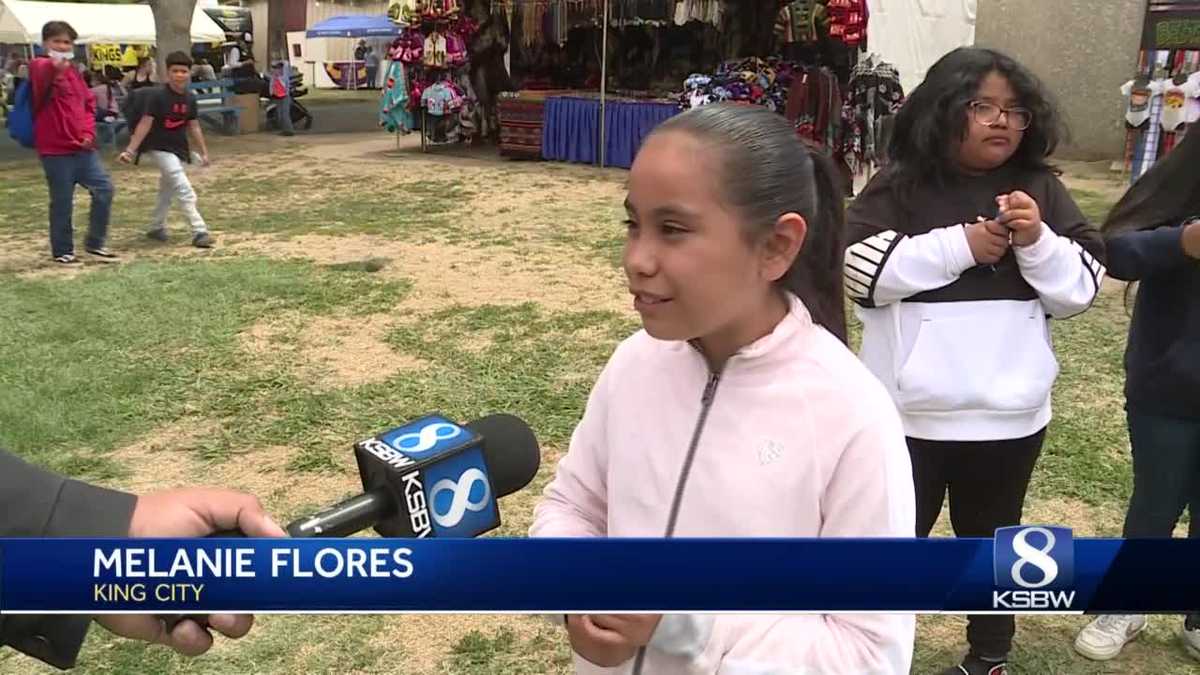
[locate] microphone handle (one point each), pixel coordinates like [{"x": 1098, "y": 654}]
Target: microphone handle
[
  {"x": 344, "y": 519},
  {"x": 341, "y": 520}
]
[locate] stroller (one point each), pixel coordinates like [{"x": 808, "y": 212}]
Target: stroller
[{"x": 301, "y": 117}]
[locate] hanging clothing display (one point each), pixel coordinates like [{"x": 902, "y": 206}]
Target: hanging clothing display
[
  {"x": 801, "y": 22},
  {"x": 704, "y": 11},
  {"x": 809, "y": 96},
  {"x": 646, "y": 10},
  {"x": 1162, "y": 105},
  {"x": 848, "y": 21},
  {"x": 413, "y": 12},
  {"x": 436, "y": 55},
  {"x": 874, "y": 94},
  {"x": 1176, "y": 92},
  {"x": 1138, "y": 94},
  {"x": 432, "y": 83},
  {"x": 814, "y": 106},
  {"x": 394, "y": 114},
  {"x": 442, "y": 98},
  {"x": 751, "y": 80}
]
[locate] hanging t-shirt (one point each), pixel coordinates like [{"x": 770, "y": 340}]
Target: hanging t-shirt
[
  {"x": 1191, "y": 106},
  {"x": 1175, "y": 97},
  {"x": 1139, "y": 92},
  {"x": 438, "y": 99}
]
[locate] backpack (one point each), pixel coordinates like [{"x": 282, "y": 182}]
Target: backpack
[
  {"x": 135, "y": 105},
  {"x": 22, "y": 115}
]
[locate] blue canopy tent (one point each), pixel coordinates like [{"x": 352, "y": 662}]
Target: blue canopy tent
[
  {"x": 346, "y": 74},
  {"x": 353, "y": 26}
]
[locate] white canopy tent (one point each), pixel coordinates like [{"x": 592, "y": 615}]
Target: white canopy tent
[{"x": 21, "y": 22}]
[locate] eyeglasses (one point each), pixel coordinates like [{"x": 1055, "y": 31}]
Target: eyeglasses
[{"x": 988, "y": 114}]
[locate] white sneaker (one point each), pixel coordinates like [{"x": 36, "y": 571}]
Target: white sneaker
[
  {"x": 1104, "y": 638},
  {"x": 1191, "y": 635}
]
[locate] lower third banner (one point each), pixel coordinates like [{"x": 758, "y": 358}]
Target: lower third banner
[{"x": 1024, "y": 569}]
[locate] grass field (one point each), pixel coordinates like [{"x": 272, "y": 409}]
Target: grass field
[{"x": 355, "y": 286}]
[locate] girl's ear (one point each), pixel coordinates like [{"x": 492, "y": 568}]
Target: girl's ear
[{"x": 782, "y": 245}]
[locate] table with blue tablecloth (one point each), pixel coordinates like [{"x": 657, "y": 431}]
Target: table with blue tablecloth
[{"x": 571, "y": 130}]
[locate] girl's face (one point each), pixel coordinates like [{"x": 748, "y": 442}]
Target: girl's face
[
  {"x": 996, "y": 123},
  {"x": 691, "y": 269}
]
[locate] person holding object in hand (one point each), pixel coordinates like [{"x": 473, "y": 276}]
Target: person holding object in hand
[
  {"x": 64, "y": 134},
  {"x": 968, "y": 238},
  {"x": 988, "y": 239},
  {"x": 1021, "y": 215},
  {"x": 37, "y": 503},
  {"x": 162, "y": 134}
]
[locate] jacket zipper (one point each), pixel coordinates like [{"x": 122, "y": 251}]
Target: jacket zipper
[{"x": 706, "y": 401}]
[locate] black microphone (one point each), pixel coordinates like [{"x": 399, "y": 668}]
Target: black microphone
[
  {"x": 428, "y": 478},
  {"x": 433, "y": 478}
]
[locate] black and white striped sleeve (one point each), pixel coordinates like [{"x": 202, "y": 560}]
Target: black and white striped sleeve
[
  {"x": 888, "y": 267},
  {"x": 1065, "y": 275},
  {"x": 864, "y": 261}
]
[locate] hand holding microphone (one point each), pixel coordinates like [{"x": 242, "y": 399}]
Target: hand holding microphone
[
  {"x": 429, "y": 478},
  {"x": 191, "y": 512}
]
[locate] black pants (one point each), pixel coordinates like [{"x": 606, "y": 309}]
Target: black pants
[
  {"x": 1166, "y": 475},
  {"x": 987, "y": 482}
]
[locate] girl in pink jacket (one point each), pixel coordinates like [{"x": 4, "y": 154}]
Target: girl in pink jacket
[{"x": 738, "y": 411}]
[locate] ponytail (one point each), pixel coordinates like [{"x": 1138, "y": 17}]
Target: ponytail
[{"x": 816, "y": 274}]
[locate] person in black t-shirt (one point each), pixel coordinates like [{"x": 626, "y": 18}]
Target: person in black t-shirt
[{"x": 162, "y": 136}]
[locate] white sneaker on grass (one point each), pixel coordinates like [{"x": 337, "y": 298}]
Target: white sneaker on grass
[
  {"x": 1104, "y": 638},
  {"x": 1191, "y": 635}
]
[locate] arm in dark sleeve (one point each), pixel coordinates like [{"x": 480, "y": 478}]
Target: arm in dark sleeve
[
  {"x": 1133, "y": 256},
  {"x": 37, "y": 503}
]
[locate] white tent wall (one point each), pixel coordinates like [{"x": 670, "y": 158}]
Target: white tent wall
[
  {"x": 913, "y": 34},
  {"x": 311, "y": 61},
  {"x": 21, "y": 21}
]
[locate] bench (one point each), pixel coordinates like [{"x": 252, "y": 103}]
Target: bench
[
  {"x": 214, "y": 104},
  {"x": 107, "y": 132}
]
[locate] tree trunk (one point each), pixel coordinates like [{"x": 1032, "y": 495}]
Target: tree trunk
[{"x": 173, "y": 28}]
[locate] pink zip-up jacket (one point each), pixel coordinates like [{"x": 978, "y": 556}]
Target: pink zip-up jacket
[{"x": 794, "y": 438}]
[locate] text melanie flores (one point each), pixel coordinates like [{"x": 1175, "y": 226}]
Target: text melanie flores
[{"x": 130, "y": 562}]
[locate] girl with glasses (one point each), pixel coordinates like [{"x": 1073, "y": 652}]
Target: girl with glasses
[{"x": 960, "y": 250}]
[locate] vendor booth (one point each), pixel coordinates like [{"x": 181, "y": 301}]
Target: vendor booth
[
  {"x": 1163, "y": 96},
  {"x": 588, "y": 80},
  {"x": 328, "y": 50},
  {"x": 665, "y": 57}
]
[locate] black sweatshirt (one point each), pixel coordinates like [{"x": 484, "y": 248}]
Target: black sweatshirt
[{"x": 1162, "y": 358}]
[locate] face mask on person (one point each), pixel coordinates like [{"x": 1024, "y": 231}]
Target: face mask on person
[{"x": 61, "y": 56}]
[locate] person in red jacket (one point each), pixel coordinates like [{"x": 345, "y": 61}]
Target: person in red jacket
[{"x": 64, "y": 134}]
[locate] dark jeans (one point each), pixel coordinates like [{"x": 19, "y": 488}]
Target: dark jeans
[
  {"x": 63, "y": 173},
  {"x": 1166, "y": 475},
  {"x": 284, "y": 113},
  {"x": 987, "y": 482}
]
